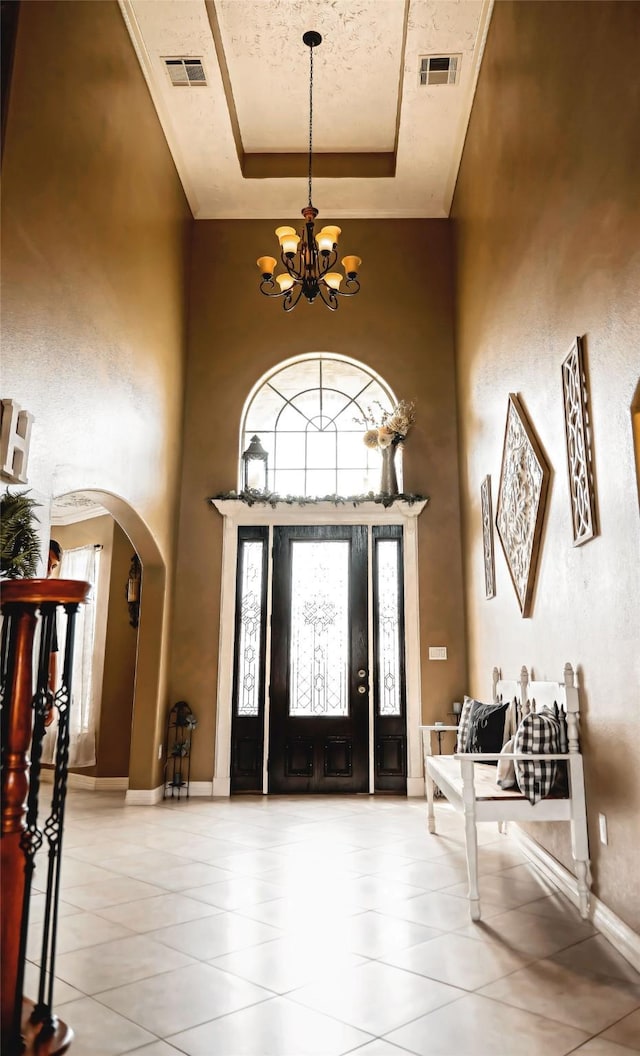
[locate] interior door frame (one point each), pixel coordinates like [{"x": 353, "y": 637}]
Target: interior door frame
[{"x": 237, "y": 513}]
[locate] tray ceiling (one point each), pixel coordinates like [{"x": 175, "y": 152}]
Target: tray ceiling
[{"x": 384, "y": 146}]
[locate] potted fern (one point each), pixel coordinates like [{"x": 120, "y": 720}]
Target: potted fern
[{"x": 19, "y": 542}]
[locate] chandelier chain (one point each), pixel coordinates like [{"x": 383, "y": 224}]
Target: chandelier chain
[
  {"x": 308, "y": 258},
  {"x": 310, "y": 118}
]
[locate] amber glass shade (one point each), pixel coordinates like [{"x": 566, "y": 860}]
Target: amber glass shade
[
  {"x": 266, "y": 265},
  {"x": 285, "y": 282},
  {"x": 289, "y": 243},
  {"x": 351, "y": 264},
  {"x": 327, "y": 238},
  {"x": 333, "y": 279},
  {"x": 282, "y": 231}
]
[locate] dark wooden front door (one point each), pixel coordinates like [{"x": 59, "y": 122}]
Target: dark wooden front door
[{"x": 319, "y": 707}]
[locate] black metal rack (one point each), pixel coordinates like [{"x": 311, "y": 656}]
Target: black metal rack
[{"x": 181, "y": 722}]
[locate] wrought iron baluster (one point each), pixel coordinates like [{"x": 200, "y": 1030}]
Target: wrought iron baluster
[{"x": 28, "y": 1027}]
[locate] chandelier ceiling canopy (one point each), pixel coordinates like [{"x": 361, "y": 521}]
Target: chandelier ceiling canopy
[{"x": 308, "y": 258}]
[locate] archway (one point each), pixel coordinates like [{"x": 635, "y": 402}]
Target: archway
[{"x": 148, "y": 695}]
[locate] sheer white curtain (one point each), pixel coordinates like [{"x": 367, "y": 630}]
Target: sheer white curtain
[{"x": 80, "y": 563}]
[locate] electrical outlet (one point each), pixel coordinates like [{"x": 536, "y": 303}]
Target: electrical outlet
[
  {"x": 602, "y": 826},
  {"x": 159, "y": 751},
  {"x": 437, "y": 652}
]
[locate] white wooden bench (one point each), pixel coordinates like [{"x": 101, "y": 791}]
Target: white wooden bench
[{"x": 470, "y": 786}]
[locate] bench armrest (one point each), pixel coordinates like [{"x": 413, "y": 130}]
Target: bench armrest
[{"x": 480, "y": 757}]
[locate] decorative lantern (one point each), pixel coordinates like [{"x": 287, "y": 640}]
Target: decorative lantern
[{"x": 254, "y": 467}]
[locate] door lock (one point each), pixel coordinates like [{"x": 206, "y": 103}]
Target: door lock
[
  {"x": 362, "y": 673},
  {"x": 362, "y": 689}
]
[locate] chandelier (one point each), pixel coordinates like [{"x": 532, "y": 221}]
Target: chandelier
[{"x": 308, "y": 258}]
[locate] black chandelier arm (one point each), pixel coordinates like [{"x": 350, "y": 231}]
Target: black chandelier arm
[
  {"x": 290, "y": 300},
  {"x": 269, "y": 289},
  {"x": 326, "y": 261},
  {"x": 329, "y": 296},
  {"x": 290, "y": 264},
  {"x": 353, "y": 287}
]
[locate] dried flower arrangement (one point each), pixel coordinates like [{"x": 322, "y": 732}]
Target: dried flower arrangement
[{"x": 386, "y": 428}]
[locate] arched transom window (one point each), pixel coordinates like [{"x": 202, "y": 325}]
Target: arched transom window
[{"x": 303, "y": 412}]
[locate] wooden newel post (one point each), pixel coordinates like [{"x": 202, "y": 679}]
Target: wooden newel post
[{"x": 25, "y": 604}]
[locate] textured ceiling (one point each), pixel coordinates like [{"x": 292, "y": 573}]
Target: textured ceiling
[{"x": 383, "y": 145}]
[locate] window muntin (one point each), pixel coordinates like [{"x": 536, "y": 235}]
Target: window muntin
[{"x": 304, "y": 415}]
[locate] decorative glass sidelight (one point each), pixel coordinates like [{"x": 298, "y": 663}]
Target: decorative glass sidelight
[
  {"x": 319, "y": 650},
  {"x": 250, "y": 628},
  {"x": 389, "y": 695}
]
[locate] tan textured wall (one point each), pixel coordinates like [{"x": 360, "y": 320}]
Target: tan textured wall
[
  {"x": 401, "y": 326},
  {"x": 547, "y": 216},
  {"x": 119, "y": 667},
  {"x": 94, "y": 314}
]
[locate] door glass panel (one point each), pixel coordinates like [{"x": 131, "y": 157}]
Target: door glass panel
[
  {"x": 250, "y": 627},
  {"x": 388, "y": 616},
  {"x": 319, "y": 654}
]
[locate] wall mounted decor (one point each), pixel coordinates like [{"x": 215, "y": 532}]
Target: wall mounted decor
[
  {"x": 487, "y": 539},
  {"x": 579, "y": 457},
  {"x": 133, "y": 590},
  {"x": 524, "y": 481}
]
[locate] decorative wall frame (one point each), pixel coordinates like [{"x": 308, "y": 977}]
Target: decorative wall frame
[
  {"x": 579, "y": 456},
  {"x": 487, "y": 539},
  {"x": 524, "y": 482}
]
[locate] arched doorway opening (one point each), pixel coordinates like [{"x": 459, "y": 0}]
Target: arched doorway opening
[{"x": 146, "y": 713}]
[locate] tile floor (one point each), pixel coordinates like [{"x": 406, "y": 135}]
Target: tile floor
[{"x": 315, "y": 926}]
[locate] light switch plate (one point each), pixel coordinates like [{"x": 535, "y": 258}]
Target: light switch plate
[{"x": 437, "y": 652}]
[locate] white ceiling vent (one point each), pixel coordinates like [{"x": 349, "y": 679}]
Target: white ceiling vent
[
  {"x": 187, "y": 73},
  {"x": 439, "y": 69}
]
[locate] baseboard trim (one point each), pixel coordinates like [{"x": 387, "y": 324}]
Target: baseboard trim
[
  {"x": 201, "y": 788},
  {"x": 87, "y": 783},
  {"x": 415, "y": 787},
  {"x": 112, "y": 784},
  {"x": 143, "y": 797},
  {"x": 222, "y": 786},
  {"x": 623, "y": 938}
]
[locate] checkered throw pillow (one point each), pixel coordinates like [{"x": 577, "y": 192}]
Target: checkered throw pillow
[
  {"x": 463, "y": 725},
  {"x": 540, "y": 733}
]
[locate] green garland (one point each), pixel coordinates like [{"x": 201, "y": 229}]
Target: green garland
[{"x": 272, "y": 498}]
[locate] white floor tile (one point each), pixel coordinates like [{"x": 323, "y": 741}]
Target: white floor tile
[
  {"x": 114, "y": 963},
  {"x": 376, "y": 997},
  {"x": 181, "y": 999},
  {"x": 476, "y": 1026},
  {"x": 308, "y": 925},
  {"x": 213, "y": 936},
  {"x": 626, "y": 1031},
  {"x": 275, "y": 1028},
  {"x": 589, "y": 1002},
  {"x": 148, "y": 914},
  {"x": 100, "y": 1032}
]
